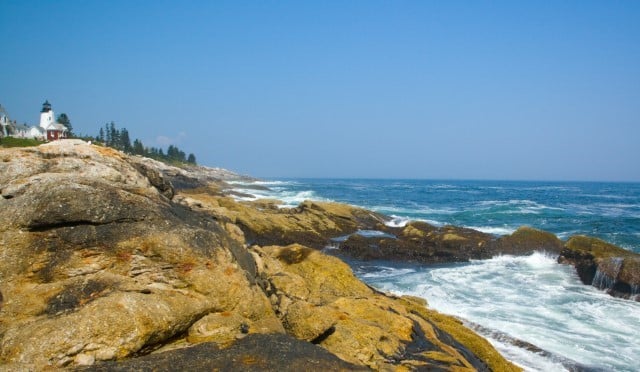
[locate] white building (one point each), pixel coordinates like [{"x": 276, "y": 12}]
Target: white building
[
  {"x": 46, "y": 115},
  {"x": 48, "y": 129},
  {"x": 22, "y": 131},
  {"x": 4, "y": 122}
]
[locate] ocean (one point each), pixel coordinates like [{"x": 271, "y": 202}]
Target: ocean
[{"x": 532, "y": 309}]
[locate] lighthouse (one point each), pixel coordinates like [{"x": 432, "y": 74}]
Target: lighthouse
[{"x": 46, "y": 115}]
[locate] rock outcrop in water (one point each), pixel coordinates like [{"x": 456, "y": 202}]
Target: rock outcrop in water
[
  {"x": 425, "y": 243},
  {"x": 604, "y": 265},
  {"x": 105, "y": 263}
]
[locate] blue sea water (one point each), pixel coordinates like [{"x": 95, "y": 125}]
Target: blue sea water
[
  {"x": 532, "y": 299},
  {"x": 610, "y": 211}
]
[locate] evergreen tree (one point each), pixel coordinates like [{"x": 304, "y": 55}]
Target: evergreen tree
[
  {"x": 191, "y": 159},
  {"x": 120, "y": 139},
  {"x": 64, "y": 120},
  {"x": 113, "y": 135},
  {"x": 108, "y": 139},
  {"x": 138, "y": 147},
  {"x": 125, "y": 142}
]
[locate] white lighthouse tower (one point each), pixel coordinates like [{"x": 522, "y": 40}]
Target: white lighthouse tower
[{"x": 46, "y": 115}]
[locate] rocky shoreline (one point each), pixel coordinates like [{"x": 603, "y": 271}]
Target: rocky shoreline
[{"x": 122, "y": 263}]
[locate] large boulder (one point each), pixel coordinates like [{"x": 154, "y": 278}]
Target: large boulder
[
  {"x": 99, "y": 264},
  {"x": 604, "y": 265},
  {"x": 527, "y": 240}
]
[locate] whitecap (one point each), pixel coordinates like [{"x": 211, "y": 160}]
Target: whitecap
[
  {"x": 427, "y": 210},
  {"x": 494, "y": 230},
  {"x": 518, "y": 206},
  {"x": 442, "y": 186},
  {"x": 400, "y": 221},
  {"x": 609, "y": 196},
  {"x": 274, "y": 183},
  {"x": 260, "y": 182},
  {"x": 292, "y": 199}
]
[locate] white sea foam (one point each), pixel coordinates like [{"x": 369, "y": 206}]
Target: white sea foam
[
  {"x": 401, "y": 221},
  {"x": 517, "y": 206},
  {"x": 566, "y": 234},
  {"x": 274, "y": 183},
  {"x": 534, "y": 299},
  {"x": 609, "y": 196},
  {"x": 374, "y": 234},
  {"x": 607, "y": 209},
  {"x": 260, "y": 183},
  {"x": 420, "y": 210},
  {"x": 442, "y": 186},
  {"x": 293, "y": 199},
  {"x": 427, "y": 210},
  {"x": 386, "y": 272},
  {"x": 288, "y": 198},
  {"x": 398, "y": 221},
  {"x": 495, "y": 230}
]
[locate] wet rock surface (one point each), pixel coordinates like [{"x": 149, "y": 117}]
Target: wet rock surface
[{"x": 604, "y": 266}]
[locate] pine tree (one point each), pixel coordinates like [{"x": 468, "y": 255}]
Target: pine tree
[
  {"x": 113, "y": 134},
  {"x": 138, "y": 147},
  {"x": 64, "y": 120},
  {"x": 191, "y": 159},
  {"x": 125, "y": 141},
  {"x": 120, "y": 139},
  {"x": 108, "y": 137}
]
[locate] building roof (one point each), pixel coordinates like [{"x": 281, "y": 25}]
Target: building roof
[
  {"x": 57, "y": 126},
  {"x": 22, "y": 127}
]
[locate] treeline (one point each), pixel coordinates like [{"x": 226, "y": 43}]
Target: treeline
[{"x": 119, "y": 139}]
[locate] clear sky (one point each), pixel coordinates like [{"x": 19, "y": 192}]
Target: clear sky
[{"x": 537, "y": 90}]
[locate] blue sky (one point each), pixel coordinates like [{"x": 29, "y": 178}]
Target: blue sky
[{"x": 536, "y": 90}]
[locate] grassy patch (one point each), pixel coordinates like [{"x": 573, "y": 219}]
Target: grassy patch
[{"x": 19, "y": 142}]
